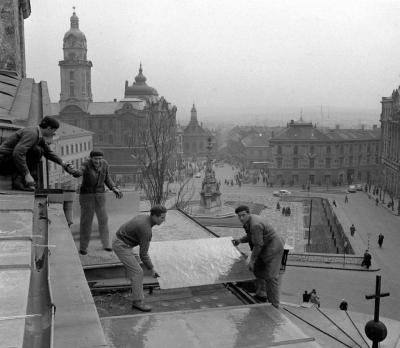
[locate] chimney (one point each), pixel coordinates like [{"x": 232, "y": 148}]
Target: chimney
[{"x": 115, "y": 100}]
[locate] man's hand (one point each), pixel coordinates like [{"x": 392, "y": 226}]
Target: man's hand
[
  {"x": 118, "y": 193},
  {"x": 29, "y": 180},
  {"x": 69, "y": 168},
  {"x": 251, "y": 266},
  {"x": 236, "y": 242},
  {"x": 154, "y": 273}
]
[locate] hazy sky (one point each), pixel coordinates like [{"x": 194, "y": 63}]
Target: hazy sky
[{"x": 227, "y": 55}]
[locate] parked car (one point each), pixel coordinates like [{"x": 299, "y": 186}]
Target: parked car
[
  {"x": 198, "y": 175},
  {"x": 352, "y": 189},
  {"x": 359, "y": 187},
  {"x": 281, "y": 193}
]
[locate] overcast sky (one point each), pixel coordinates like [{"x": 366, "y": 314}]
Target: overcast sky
[{"x": 227, "y": 55}]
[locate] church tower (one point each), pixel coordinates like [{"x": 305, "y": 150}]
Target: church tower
[{"x": 75, "y": 69}]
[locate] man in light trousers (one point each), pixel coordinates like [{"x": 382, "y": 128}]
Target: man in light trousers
[{"x": 138, "y": 232}]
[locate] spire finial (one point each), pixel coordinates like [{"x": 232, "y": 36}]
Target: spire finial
[
  {"x": 140, "y": 68},
  {"x": 73, "y": 8}
]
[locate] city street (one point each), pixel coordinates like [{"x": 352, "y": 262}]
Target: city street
[{"x": 333, "y": 285}]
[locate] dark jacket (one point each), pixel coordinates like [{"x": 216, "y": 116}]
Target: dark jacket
[
  {"x": 93, "y": 180},
  {"x": 23, "y": 140}
]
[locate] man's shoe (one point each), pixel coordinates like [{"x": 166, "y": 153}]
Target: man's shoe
[
  {"x": 83, "y": 252},
  {"x": 18, "y": 184},
  {"x": 107, "y": 249},
  {"x": 139, "y": 305},
  {"x": 260, "y": 298}
]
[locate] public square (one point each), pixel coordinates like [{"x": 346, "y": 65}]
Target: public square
[{"x": 336, "y": 284}]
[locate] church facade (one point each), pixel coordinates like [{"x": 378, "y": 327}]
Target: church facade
[
  {"x": 116, "y": 125},
  {"x": 195, "y": 138}
]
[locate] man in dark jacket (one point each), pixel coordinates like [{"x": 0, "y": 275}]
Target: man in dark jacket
[
  {"x": 92, "y": 198},
  {"x": 138, "y": 232},
  {"x": 266, "y": 256},
  {"x": 20, "y": 154}
]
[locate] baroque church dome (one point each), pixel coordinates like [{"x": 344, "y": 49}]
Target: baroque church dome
[
  {"x": 74, "y": 38},
  {"x": 139, "y": 88}
]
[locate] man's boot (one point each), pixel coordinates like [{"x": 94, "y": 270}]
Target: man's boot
[{"x": 18, "y": 183}]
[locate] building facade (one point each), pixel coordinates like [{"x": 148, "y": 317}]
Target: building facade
[
  {"x": 195, "y": 138},
  {"x": 257, "y": 150},
  {"x": 73, "y": 145},
  {"x": 306, "y": 155},
  {"x": 117, "y": 126},
  {"x": 390, "y": 144}
]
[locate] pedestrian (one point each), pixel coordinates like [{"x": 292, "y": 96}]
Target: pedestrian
[
  {"x": 289, "y": 211},
  {"x": 334, "y": 203},
  {"x": 20, "y": 154},
  {"x": 380, "y": 240},
  {"x": 266, "y": 254},
  {"x": 92, "y": 199},
  {"x": 314, "y": 298},
  {"x": 283, "y": 211},
  {"x": 138, "y": 232},
  {"x": 278, "y": 206},
  {"x": 346, "y": 199},
  {"x": 306, "y": 296},
  {"x": 366, "y": 259},
  {"x": 352, "y": 230},
  {"x": 376, "y": 201},
  {"x": 343, "y": 305}
]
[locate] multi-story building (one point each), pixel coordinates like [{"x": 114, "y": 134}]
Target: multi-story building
[
  {"x": 306, "y": 155},
  {"x": 195, "y": 138},
  {"x": 390, "y": 144},
  {"x": 257, "y": 150},
  {"x": 73, "y": 144},
  {"x": 117, "y": 126}
]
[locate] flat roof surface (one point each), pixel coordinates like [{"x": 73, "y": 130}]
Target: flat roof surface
[{"x": 242, "y": 326}]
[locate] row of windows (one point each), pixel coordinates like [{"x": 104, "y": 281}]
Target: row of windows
[
  {"x": 328, "y": 162},
  {"x": 75, "y": 148},
  {"x": 351, "y": 148}
]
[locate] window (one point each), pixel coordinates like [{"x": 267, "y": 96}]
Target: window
[
  {"x": 72, "y": 148},
  {"x": 295, "y": 150},
  {"x": 342, "y": 149},
  {"x": 71, "y": 75},
  {"x": 67, "y": 149},
  {"x": 279, "y": 150},
  {"x": 295, "y": 163},
  {"x": 351, "y": 148},
  {"x": 76, "y": 147},
  {"x": 327, "y": 162},
  {"x": 312, "y": 162},
  {"x": 279, "y": 162},
  {"x": 312, "y": 149},
  {"x": 328, "y": 150},
  {"x": 71, "y": 90},
  {"x": 62, "y": 150},
  {"x": 80, "y": 147},
  {"x": 84, "y": 146},
  {"x": 350, "y": 160}
]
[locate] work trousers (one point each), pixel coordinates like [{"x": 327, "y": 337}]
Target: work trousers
[
  {"x": 93, "y": 203},
  {"x": 33, "y": 156},
  {"x": 133, "y": 268},
  {"x": 269, "y": 288}
]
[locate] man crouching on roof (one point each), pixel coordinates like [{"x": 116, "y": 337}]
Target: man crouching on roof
[{"x": 137, "y": 232}]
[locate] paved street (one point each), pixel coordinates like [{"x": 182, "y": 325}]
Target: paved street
[{"x": 333, "y": 285}]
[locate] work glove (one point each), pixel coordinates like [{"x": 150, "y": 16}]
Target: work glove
[
  {"x": 154, "y": 274},
  {"x": 235, "y": 242},
  {"x": 251, "y": 265},
  {"x": 118, "y": 193}
]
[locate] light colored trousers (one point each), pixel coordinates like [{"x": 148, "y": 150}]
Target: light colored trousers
[
  {"x": 133, "y": 268},
  {"x": 93, "y": 203}
]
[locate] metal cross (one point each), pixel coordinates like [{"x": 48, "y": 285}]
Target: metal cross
[{"x": 377, "y": 296}]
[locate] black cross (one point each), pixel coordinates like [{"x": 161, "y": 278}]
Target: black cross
[{"x": 377, "y": 296}]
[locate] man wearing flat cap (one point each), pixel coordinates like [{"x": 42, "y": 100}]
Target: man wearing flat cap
[{"x": 92, "y": 199}]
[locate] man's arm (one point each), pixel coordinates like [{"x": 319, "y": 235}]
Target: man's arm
[
  {"x": 257, "y": 240},
  {"x": 110, "y": 184},
  {"x": 144, "y": 253}
]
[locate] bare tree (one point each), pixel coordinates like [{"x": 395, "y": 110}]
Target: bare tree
[
  {"x": 184, "y": 194},
  {"x": 156, "y": 153}
]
